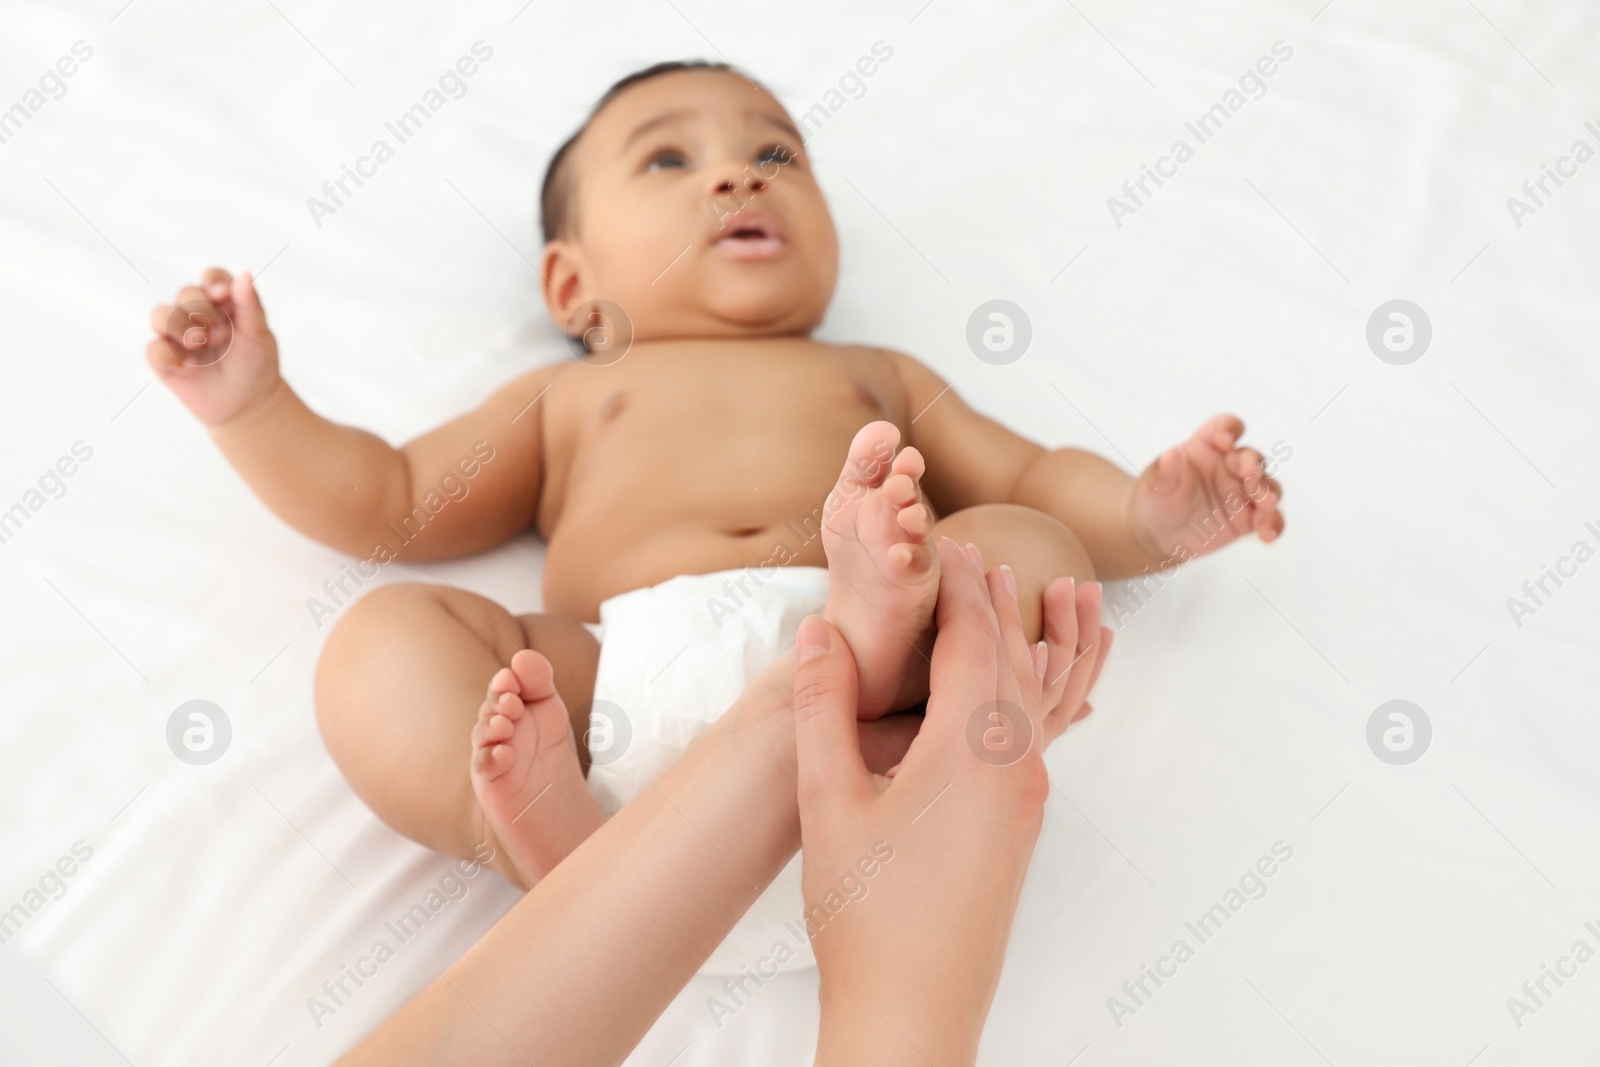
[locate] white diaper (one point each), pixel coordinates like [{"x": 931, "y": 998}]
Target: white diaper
[{"x": 673, "y": 658}]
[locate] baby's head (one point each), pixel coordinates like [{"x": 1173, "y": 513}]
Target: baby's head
[{"x": 687, "y": 200}]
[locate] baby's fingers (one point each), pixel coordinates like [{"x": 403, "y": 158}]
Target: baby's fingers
[
  {"x": 217, "y": 283},
  {"x": 163, "y": 357}
]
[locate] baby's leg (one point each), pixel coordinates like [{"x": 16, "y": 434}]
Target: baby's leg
[
  {"x": 883, "y": 574},
  {"x": 1037, "y": 548},
  {"x": 408, "y": 674}
]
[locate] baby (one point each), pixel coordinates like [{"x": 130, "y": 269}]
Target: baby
[{"x": 685, "y": 473}]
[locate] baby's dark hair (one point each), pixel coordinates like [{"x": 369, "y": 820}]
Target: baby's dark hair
[{"x": 555, "y": 196}]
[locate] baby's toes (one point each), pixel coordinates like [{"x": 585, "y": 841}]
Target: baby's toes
[
  {"x": 916, "y": 521},
  {"x": 506, "y": 705},
  {"x": 492, "y": 731},
  {"x": 492, "y": 761},
  {"x": 913, "y": 559},
  {"x": 534, "y": 674},
  {"x": 504, "y": 681},
  {"x": 900, "y": 491},
  {"x": 908, "y": 462}
]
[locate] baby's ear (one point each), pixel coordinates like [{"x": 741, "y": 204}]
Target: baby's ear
[{"x": 565, "y": 289}]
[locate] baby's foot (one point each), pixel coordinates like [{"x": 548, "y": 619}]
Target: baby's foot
[
  {"x": 525, "y": 771},
  {"x": 883, "y": 574}
]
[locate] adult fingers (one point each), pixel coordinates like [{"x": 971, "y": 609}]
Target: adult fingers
[
  {"x": 828, "y": 746},
  {"x": 1091, "y": 647},
  {"x": 1101, "y": 654},
  {"x": 885, "y": 741},
  {"x": 1008, "y": 613},
  {"x": 1075, "y": 665},
  {"x": 966, "y": 650},
  {"x": 1060, "y": 638}
]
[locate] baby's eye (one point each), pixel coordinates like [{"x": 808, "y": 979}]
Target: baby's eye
[
  {"x": 664, "y": 159},
  {"x": 776, "y": 154}
]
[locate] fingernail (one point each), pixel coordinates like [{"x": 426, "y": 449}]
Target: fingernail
[
  {"x": 812, "y": 639},
  {"x": 974, "y": 555},
  {"x": 1009, "y": 579}
]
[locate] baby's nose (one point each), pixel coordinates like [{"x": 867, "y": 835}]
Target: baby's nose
[{"x": 737, "y": 181}]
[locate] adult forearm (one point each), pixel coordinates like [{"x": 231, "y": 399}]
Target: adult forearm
[
  {"x": 586, "y": 962},
  {"x": 1094, "y": 499},
  {"x": 335, "y": 484}
]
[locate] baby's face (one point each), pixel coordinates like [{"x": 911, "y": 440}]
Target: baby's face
[{"x": 697, "y": 213}]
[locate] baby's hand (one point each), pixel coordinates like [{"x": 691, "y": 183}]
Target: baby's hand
[
  {"x": 213, "y": 348},
  {"x": 1204, "y": 493}
]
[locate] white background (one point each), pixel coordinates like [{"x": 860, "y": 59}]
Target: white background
[{"x": 976, "y": 165}]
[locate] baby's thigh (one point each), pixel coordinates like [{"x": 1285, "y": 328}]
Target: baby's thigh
[{"x": 1038, "y": 549}]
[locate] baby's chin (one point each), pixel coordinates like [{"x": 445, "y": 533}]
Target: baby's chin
[
  {"x": 765, "y": 305},
  {"x": 726, "y": 314}
]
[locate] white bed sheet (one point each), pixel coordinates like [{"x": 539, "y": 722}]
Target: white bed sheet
[{"x": 977, "y": 164}]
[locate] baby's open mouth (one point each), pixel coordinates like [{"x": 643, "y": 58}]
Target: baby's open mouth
[{"x": 750, "y": 235}]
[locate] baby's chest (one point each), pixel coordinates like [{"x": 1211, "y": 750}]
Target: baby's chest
[{"x": 741, "y": 399}]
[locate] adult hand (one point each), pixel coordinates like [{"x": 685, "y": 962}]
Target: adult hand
[{"x": 911, "y": 883}]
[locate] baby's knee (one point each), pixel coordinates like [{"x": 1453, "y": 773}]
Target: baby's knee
[
  {"x": 1037, "y": 547},
  {"x": 1023, "y": 538},
  {"x": 377, "y": 621},
  {"x": 378, "y": 613}
]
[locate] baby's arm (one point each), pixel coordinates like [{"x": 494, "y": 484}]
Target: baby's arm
[
  {"x": 466, "y": 485},
  {"x": 1192, "y": 500}
]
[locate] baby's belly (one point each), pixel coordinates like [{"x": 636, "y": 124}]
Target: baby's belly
[{"x": 588, "y": 562}]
